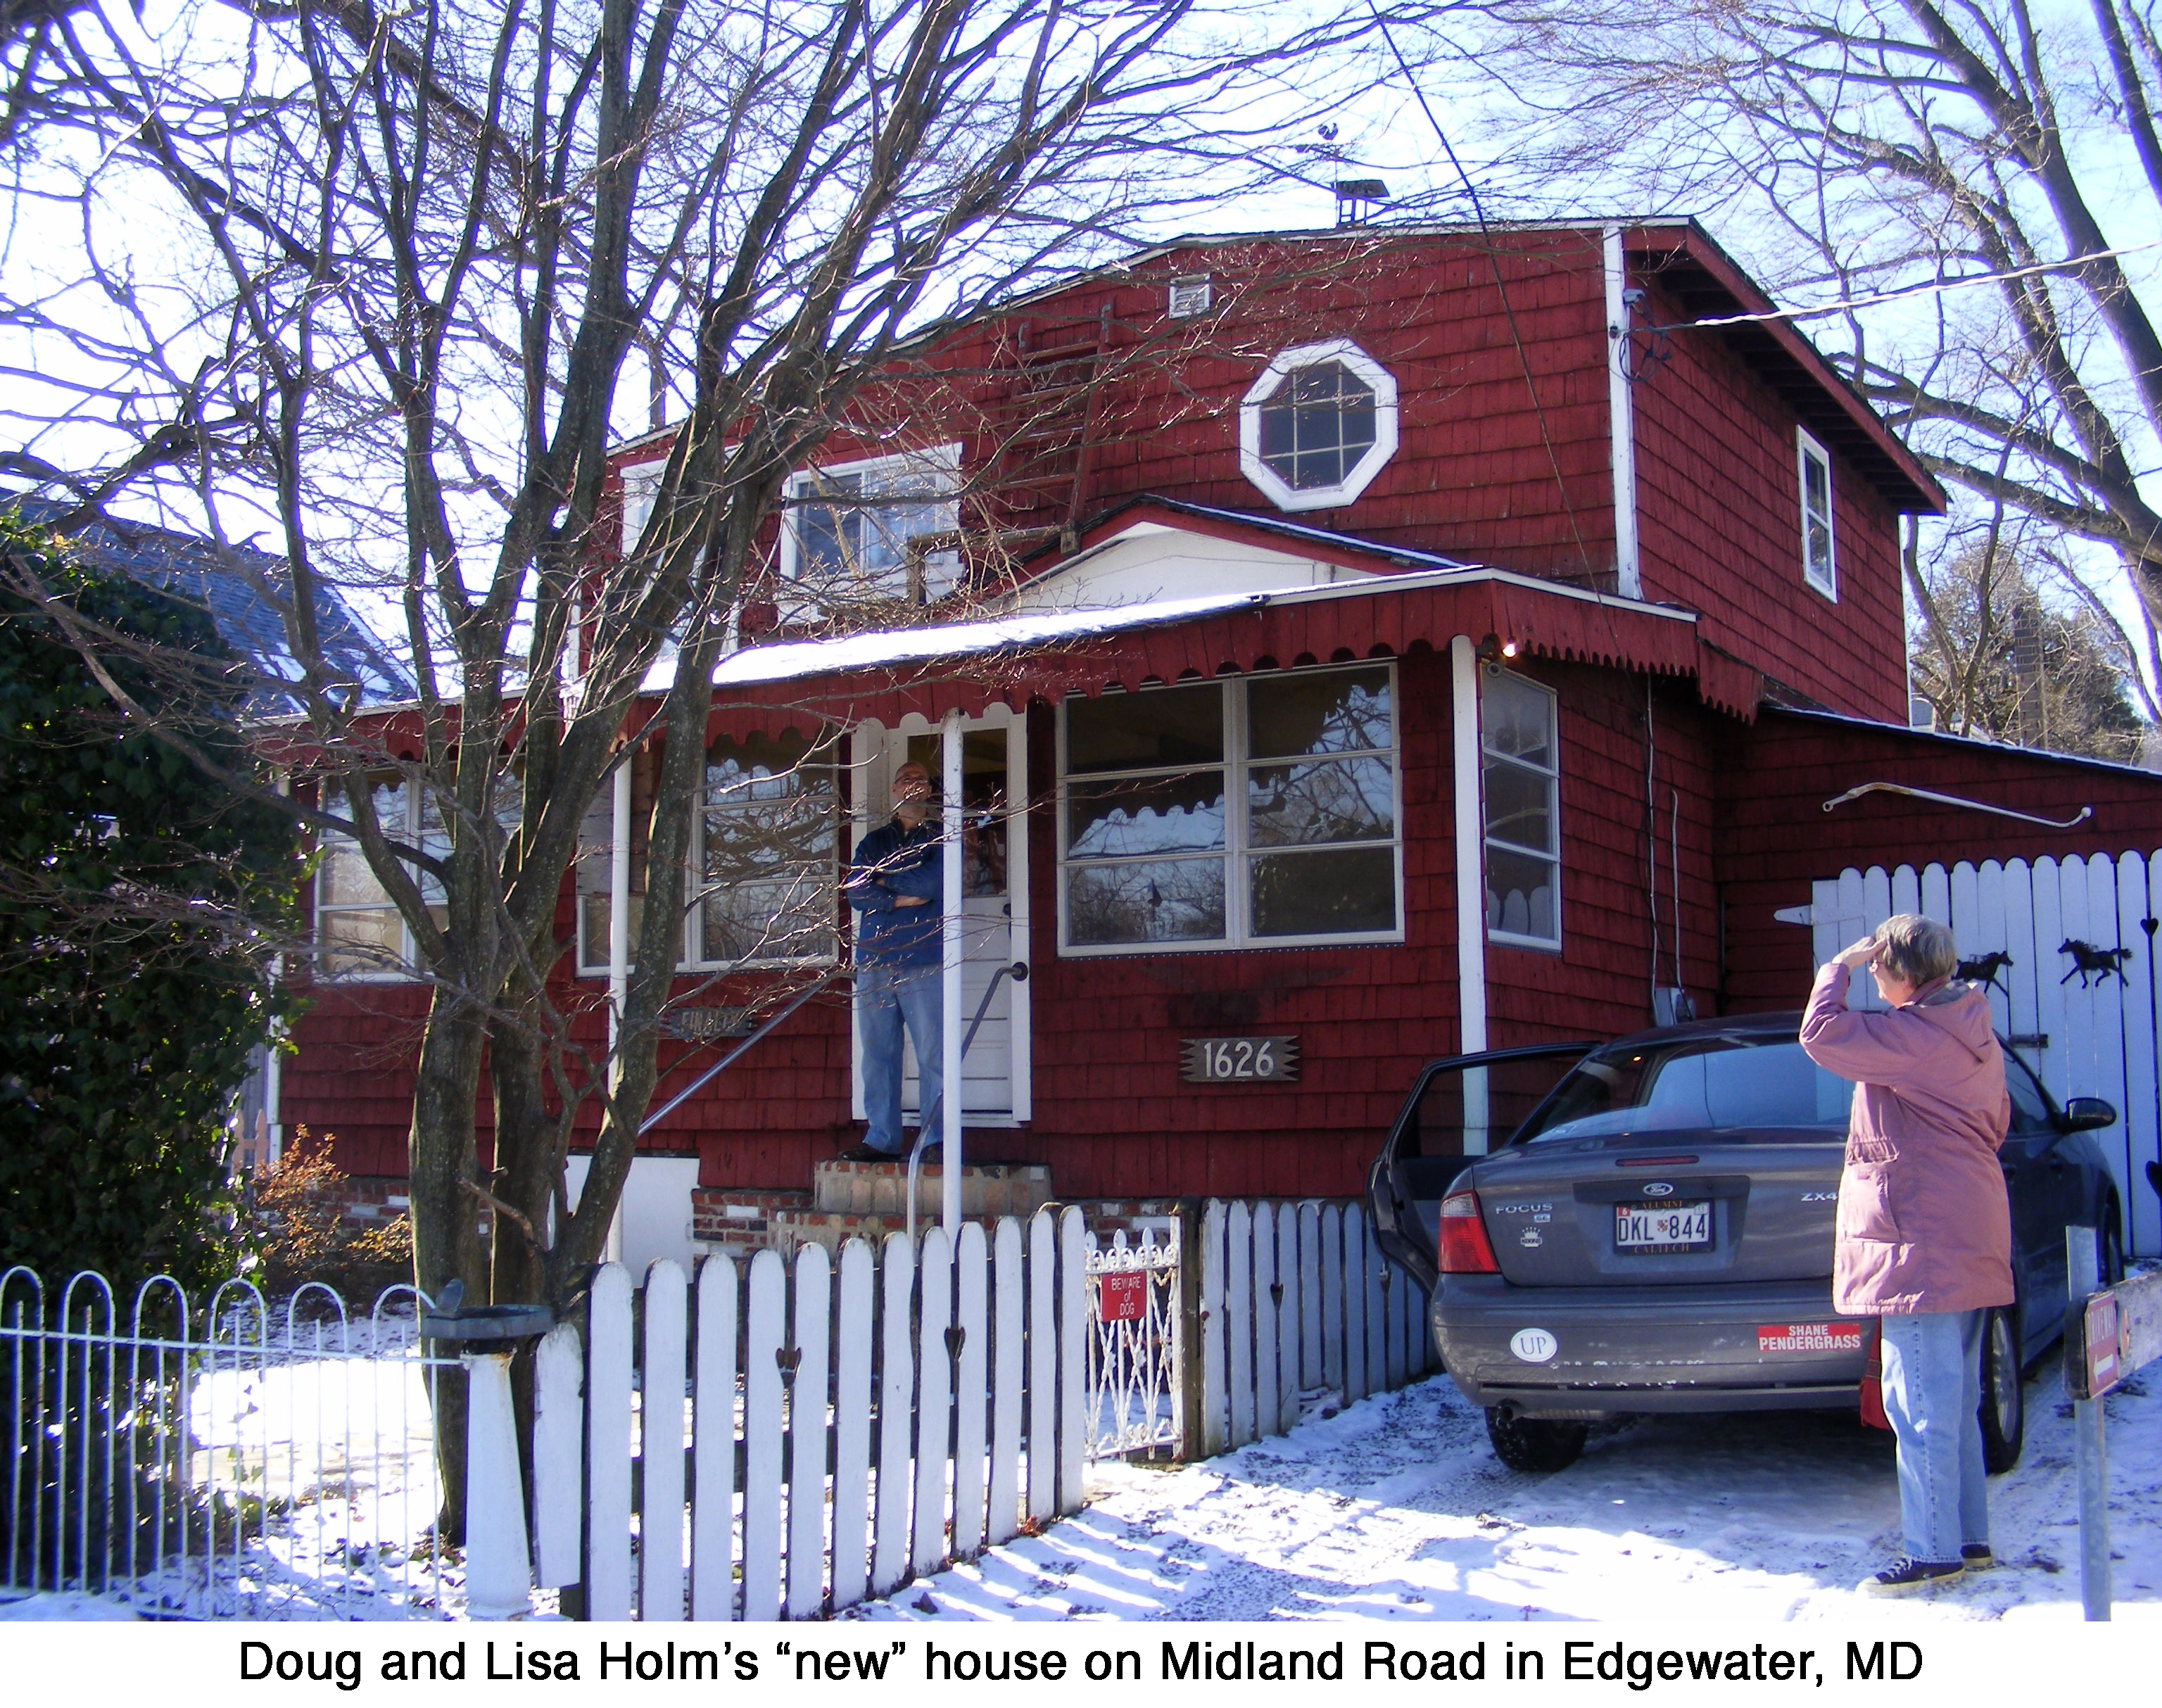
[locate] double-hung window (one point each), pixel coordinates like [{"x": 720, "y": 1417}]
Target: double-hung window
[
  {"x": 1249, "y": 810},
  {"x": 358, "y": 927},
  {"x": 875, "y": 531},
  {"x": 1521, "y": 785},
  {"x": 1817, "y": 565}
]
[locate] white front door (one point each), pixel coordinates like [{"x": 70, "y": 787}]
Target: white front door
[{"x": 995, "y": 1089}]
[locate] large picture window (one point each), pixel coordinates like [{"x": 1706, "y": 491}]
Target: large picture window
[
  {"x": 875, "y": 530},
  {"x": 1260, "y": 810},
  {"x": 1522, "y": 787}
]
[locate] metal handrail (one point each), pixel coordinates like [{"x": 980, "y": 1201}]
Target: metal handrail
[
  {"x": 705, "y": 1078},
  {"x": 1018, "y": 972}
]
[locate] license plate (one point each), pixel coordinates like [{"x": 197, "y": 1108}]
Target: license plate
[
  {"x": 1664, "y": 1225},
  {"x": 1809, "y": 1337}
]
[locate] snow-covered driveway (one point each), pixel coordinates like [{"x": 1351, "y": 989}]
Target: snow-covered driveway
[{"x": 1396, "y": 1508}]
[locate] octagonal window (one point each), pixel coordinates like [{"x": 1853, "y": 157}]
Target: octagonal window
[{"x": 1317, "y": 426}]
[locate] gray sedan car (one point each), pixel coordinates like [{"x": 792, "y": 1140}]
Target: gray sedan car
[{"x": 1647, "y": 1226}]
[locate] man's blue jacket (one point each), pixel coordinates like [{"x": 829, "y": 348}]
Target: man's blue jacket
[{"x": 890, "y": 862}]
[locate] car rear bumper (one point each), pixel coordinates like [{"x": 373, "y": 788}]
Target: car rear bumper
[{"x": 1666, "y": 1349}]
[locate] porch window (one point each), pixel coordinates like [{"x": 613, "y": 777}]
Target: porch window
[
  {"x": 1817, "y": 567},
  {"x": 1254, "y": 810},
  {"x": 875, "y": 531},
  {"x": 767, "y": 851},
  {"x": 1522, "y": 786}
]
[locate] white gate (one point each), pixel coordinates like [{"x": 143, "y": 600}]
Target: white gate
[
  {"x": 2076, "y": 995},
  {"x": 1136, "y": 1346}
]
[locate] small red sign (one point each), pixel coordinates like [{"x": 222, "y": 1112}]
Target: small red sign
[
  {"x": 2101, "y": 1345},
  {"x": 1122, "y": 1297},
  {"x": 1809, "y": 1337}
]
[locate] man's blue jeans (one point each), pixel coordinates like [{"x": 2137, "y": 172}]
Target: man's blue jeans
[
  {"x": 1932, "y": 1397},
  {"x": 887, "y": 1000}
]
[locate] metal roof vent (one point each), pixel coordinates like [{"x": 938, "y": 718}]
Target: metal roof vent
[{"x": 1190, "y": 296}]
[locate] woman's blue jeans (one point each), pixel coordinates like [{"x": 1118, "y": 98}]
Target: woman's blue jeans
[
  {"x": 889, "y": 999},
  {"x": 1932, "y": 1382}
]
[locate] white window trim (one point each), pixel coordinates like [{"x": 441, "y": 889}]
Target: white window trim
[
  {"x": 1805, "y": 447},
  {"x": 1279, "y": 492},
  {"x": 641, "y": 486},
  {"x": 1238, "y": 895},
  {"x": 1513, "y": 939},
  {"x": 944, "y": 459}
]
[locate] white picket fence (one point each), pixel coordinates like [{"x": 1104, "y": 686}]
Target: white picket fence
[
  {"x": 810, "y": 1432},
  {"x": 2091, "y": 1036},
  {"x": 1296, "y": 1301}
]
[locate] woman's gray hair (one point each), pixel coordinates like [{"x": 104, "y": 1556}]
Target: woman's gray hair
[{"x": 1916, "y": 949}]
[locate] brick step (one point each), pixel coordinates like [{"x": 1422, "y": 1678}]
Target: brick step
[
  {"x": 739, "y": 1216},
  {"x": 881, "y": 1189}
]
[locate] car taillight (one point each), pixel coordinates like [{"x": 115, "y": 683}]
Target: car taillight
[{"x": 1464, "y": 1250}]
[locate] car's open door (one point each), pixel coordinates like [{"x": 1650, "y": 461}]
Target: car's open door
[{"x": 1459, "y": 1108}]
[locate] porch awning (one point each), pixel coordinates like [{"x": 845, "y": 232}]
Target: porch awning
[{"x": 1010, "y": 659}]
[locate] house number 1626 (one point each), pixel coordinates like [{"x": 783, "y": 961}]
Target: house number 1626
[{"x": 1240, "y": 1061}]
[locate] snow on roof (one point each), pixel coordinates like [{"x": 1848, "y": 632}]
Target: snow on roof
[
  {"x": 789, "y": 660},
  {"x": 792, "y": 661}
]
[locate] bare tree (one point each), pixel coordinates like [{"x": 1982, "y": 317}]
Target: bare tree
[
  {"x": 387, "y": 286},
  {"x": 1872, "y": 146}
]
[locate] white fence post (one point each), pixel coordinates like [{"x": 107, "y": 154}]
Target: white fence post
[
  {"x": 763, "y": 1352},
  {"x": 1291, "y": 1293},
  {"x": 661, "y": 1444},
  {"x": 852, "y": 1422},
  {"x": 1238, "y": 1319},
  {"x": 1212, "y": 1428},
  {"x": 559, "y": 1469},
  {"x": 1072, "y": 1358},
  {"x": 807, "y": 1433},
  {"x": 934, "y": 1397},
  {"x": 713, "y": 1444},
  {"x": 499, "y": 1572},
  {"x": 1042, "y": 1369},
  {"x": 1007, "y": 1383},
  {"x": 896, "y": 1395},
  {"x": 607, "y": 1446},
  {"x": 971, "y": 1395}
]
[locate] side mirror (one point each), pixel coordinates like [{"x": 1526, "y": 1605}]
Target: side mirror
[{"x": 2083, "y": 1114}]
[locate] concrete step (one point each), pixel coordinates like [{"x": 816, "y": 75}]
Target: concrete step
[{"x": 881, "y": 1189}]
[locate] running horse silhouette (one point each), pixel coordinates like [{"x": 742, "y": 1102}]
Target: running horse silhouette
[
  {"x": 1984, "y": 969},
  {"x": 2093, "y": 965}
]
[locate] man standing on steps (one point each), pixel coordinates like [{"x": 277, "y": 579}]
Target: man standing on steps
[{"x": 895, "y": 883}]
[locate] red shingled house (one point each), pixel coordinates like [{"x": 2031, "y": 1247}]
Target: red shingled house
[{"x": 1370, "y": 644}]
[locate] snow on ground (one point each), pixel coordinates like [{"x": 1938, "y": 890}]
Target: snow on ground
[{"x": 1396, "y": 1508}]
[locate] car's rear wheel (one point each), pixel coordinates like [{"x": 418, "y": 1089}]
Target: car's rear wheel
[
  {"x": 1538, "y": 1444},
  {"x": 2003, "y": 1407}
]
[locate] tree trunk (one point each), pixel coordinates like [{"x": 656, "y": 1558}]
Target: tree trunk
[{"x": 446, "y": 1244}]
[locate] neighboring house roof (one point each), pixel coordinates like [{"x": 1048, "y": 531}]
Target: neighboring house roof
[{"x": 237, "y": 588}]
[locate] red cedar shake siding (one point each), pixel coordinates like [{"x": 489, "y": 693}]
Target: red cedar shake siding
[{"x": 1774, "y": 839}]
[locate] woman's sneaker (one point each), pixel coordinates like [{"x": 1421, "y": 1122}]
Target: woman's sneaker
[
  {"x": 1903, "y": 1577},
  {"x": 1977, "y": 1556}
]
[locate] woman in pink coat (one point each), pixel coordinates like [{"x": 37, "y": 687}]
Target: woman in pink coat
[{"x": 1924, "y": 1239}]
